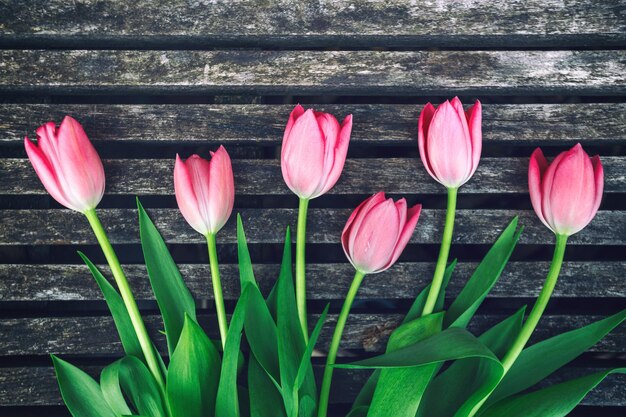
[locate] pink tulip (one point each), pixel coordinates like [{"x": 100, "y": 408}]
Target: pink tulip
[
  {"x": 450, "y": 141},
  {"x": 205, "y": 191},
  {"x": 566, "y": 194},
  {"x": 314, "y": 151},
  {"x": 377, "y": 232},
  {"x": 67, "y": 164}
]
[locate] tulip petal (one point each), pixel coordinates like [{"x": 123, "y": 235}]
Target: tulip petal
[
  {"x": 330, "y": 128},
  {"x": 536, "y": 169},
  {"x": 340, "y": 152},
  {"x": 221, "y": 189},
  {"x": 186, "y": 196},
  {"x": 46, "y": 173},
  {"x": 423, "y": 125},
  {"x": 474, "y": 122},
  {"x": 360, "y": 215},
  {"x": 413, "y": 215},
  {"x": 302, "y": 156},
  {"x": 295, "y": 114},
  {"x": 546, "y": 189},
  {"x": 598, "y": 173}
]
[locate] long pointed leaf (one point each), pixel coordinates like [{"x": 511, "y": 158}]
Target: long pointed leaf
[
  {"x": 246, "y": 274},
  {"x": 193, "y": 374},
  {"x": 420, "y": 301},
  {"x": 484, "y": 278},
  {"x": 265, "y": 399},
  {"x": 81, "y": 394},
  {"x": 554, "y": 401},
  {"x": 173, "y": 297},
  {"x": 114, "y": 301}
]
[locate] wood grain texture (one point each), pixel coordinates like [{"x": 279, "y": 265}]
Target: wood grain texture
[
  {"x": 254, "y": 124},
  {"x": 313, "y": 23},
  {"x": 63, "y": 227},
  {"x": 21, "y": 386},
  {"x": 325, "y": 281},
  {"x": 91, "y": 335},
  {"x": 264, "y": 177},
  {"x": 314, "y": 72}
]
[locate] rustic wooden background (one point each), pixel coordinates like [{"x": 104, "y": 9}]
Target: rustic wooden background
[{"x": 151, "y": 78}]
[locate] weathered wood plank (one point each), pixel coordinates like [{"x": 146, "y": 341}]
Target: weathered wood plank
[
  {"x": 368, "y": 332},
  {"x": 264, "y": 177},
  {"x": 325, "y": 281},
  {"x": 314, "y": 23},
  {"x": 23, "y": 386},
  {"x": 317, "y": 72},
  {"x": 386, "y": 124},
  {"x": 60, "y": 227}
]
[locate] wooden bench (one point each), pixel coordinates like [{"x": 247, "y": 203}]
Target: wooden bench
[{"x": 148, "y": 79}]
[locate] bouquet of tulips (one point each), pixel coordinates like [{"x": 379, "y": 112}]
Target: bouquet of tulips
[{"x": 261, "y": 366}]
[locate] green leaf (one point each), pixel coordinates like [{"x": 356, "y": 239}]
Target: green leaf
[
  {"x": 173, "y": 297},
  {"x": 114, "y": 301},
  {"x": 484, "y": 278},
  {"x": 364, "y": 398},
  {"x": 360, "y": 411},
  {"x": 399, "y": 391},
  {"x": 246, "y": 274},
  {"x": 307, "y": 407},
  {"x": 265, "y": 399},
  {"x": 291, "y": 345},
  {"x": 80, "y": 392},
  {"x": 227, "y": 404},
  {"x": 450, "y": 344},
  {"x": 305, "y": 362},
  {"x": 130, "y": 376},
  {"x": 466, "y": 382},
  {"x": 194, "y": 373},
  {"x": 542, "y": 359},
  {"x": 261, "y": 333},
  {"x": 554, "y": 401},
  {"x": 418, "y": 305}
]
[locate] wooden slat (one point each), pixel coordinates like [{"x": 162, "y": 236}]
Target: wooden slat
[
  {"x": 324, "y": 22},
  {"x": 22, "y": 386},
  {"x": 314, "y": 72},
  {"x": 264, "y": 177},
  {"x": 528, "y": 124},
  {"x": 368, "y": 332},
  {"x": 59, "y": 227},
  {"x": 325, "y": 281}
]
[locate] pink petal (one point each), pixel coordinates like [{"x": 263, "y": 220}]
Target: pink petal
[
  {"x": 186, "y": 196},
  {"x": 45, "y": 173},
  {"x": 423, "y": 125},
  {"x": 302, "y": 156},
  {"x": 474, "y": 122},
  {"x": 405, "y": 234},
  {"x": 536, "y": 168},
  {"x": 347, "y": 235},
  {"x": 293, "y": 116},
  {"x": 598, "y": 173},
  {"x": 340, "y": 152},
  {"x": 221, "y": 190}
]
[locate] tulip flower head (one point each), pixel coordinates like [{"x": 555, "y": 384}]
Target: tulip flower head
[
  {"x": 67, "y": 164},
  {"x": 314, "y": 151},
  {"x": 566, "y": 193},
  {"x": 205, "y": 190},
  {"x": 450, "y": 141},
  {"x": 377, "y": 232}
]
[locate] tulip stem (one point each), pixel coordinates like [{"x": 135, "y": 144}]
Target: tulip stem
[
  {"x": 300, "y": 267},
  {"x": 127, "y": 296},
  {"x": 535, "y": 315},
  {"x": 217, "y": 287},
  {"x": 334, "y": 344},
  {"x": 444, "y": 251}
]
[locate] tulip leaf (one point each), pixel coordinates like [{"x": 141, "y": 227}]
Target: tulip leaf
[
  {"x": 291, "y": 345},
  {"x": 418, "y": 305},
  {"x": 450, "y": 344},
  {"x": 81, "y": 394},
  {"x": 227, "y": 404},
  {"x": 305, "y": 362},
  {"x": 364, "y": 398},
  {"x": 194, "y": 373},
  {"x": 131, "y": 377},
  {"x": 542, "y": 359},
  {"x": 399, "y": 391},
  {"x": 466, "y": 382},
  {"x": 246, "y": 273},
  {"x": 116, "y": 305},
  {"x": 484, "y": 278},
  {"x": 265, "y": 398},
  {"x": 554, "y": 401},
  {"x": 173, "y": 297}
]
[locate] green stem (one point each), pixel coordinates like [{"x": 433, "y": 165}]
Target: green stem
[
  {"x": 540, "y": 305},
  {"x": 444, "y": 251},
  {"x": 334, "y": 344},
  {"x": 535, "y": 315},
  {"x": 127, "y": 296},
  {"x": 217, "y": 287},
  {"x": 300, "y": 267}
]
